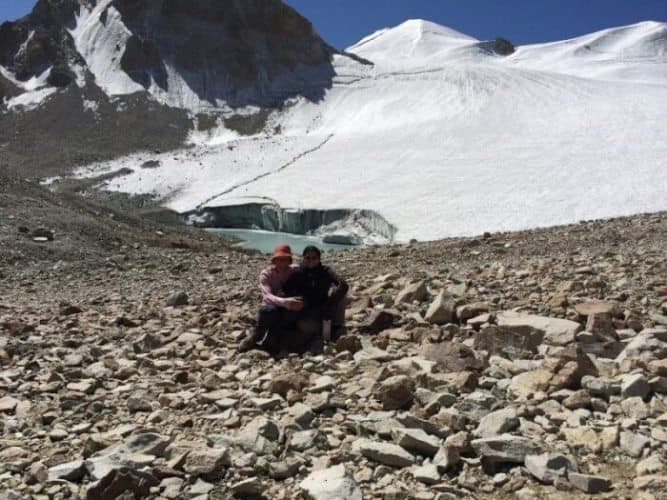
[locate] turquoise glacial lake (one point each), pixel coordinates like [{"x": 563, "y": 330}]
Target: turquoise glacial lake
[{"x": 265, "y": 241}]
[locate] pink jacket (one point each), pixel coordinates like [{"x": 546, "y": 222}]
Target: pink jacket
[{"x": 271, "y": 284}]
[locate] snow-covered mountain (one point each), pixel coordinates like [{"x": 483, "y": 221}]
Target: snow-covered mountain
[
  {"x": 193, "y": 54},
  {"x": 441, "y": 135}
]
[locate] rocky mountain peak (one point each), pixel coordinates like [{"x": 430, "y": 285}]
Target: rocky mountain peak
[{"x": 185, "y": 51}]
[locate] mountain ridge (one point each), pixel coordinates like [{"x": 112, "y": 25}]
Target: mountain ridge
[{"x": 406, "y": 137}]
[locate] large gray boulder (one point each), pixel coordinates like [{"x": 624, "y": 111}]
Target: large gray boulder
[
  {"x": 556, "y": 331},
  {"x": 333, "y": 483}
]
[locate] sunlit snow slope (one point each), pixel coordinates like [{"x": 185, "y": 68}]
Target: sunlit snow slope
[{"x": 443, "y": 137}]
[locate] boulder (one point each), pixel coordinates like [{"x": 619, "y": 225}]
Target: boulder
[
  {"x": 117, "y": 482},
  {"x": 334, "y": 483},
  {"x": 591, "y": 307},
  {"x": 417, "y": 441},
  {"x": 556, "y": 331},
  {"x": 177, "y": 299},
  {"x": 548, "y": 467},
  {"x": 568, "y": 367},
  {"x": 384, "y": 453},
  {"x": 505, "y": 448},
  {"x": 452, "y": 357},
  {"x": 396, "y": 392},
  {"x": 379, "y": 321},
  {"x": 441, "y": 310},
  {"x": 588, "y": 483},
  {"x": 412, "y": 292},
  {"x": 509, "y": 342},
  {"x": 285, "y": 382},
  {"x": 207, "y": 463},
  {"x": 498, "y": 422}
]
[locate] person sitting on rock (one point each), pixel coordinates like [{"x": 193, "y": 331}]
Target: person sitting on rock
[
  {"x": 323, "y": 293},
  {"x": 278, "y": 312}
]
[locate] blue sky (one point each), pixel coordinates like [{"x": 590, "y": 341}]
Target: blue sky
[{"x": 343, "y": 22}]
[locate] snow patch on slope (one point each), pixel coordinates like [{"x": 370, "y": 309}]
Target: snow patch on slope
[
  {"x": 443, "y": 147},
  {"x": 415, "y": 43},
  {"x": 31, "y": 99},
  {"x": 637, "y": 52},
  {"x": 102, "y": 44}
]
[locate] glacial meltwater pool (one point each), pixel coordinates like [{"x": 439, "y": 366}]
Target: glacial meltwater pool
[{"x": 265, "y": 241}]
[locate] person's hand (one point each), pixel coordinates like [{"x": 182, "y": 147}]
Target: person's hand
[{"x": 294, "y": 304}]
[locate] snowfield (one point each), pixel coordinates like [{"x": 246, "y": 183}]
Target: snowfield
[{"x": 440, "y": 136}]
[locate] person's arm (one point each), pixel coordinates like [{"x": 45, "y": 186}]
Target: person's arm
[
  {"x": 267, "y": 294},
  {"x": 340, "y": 286}
]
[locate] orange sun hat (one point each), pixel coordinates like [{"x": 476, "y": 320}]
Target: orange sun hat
[{"x": 281, "y": 251}]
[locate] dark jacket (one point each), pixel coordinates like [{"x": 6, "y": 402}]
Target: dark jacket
[{"x": 319, "y": 286}]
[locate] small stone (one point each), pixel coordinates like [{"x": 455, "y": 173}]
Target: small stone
[
  {"x": 505, "y": 448},
  {"x": 396, "y": 392},
  {"x": 600, "y": 387},
  {"x": 547, "y": 467},
  {"x": 556, "y": 331},
  {"x": 71, "y": 471},
  {"x": 413, "y": 292},
  {"x": 583, "y": 437},
  {"x": 37, "y": 473},
  {"x": 588, "y": 483},
  {"x": 284, "y": 469},
  {"x": 635, "y": 408},
  {"x": 302, "y": 414},
  {"x": 441, "y": 310},
  {"x": 498, "y": 422},
  {"x": 577, "y": 400},
  {"x": 417, "y": 441},
  {"x": 323, "y": 383},
  {"x": 635, "y": 385},
  {"x": 650, "y": 465},
  {"x": 207, "y": 463},
  {"x": 283, "y": 383},
  {"x": 58, "y": 434},
  {"x": 8, "y": 404},
  {"x": 334, "y": 483},
  {"x": 177, "y": 299},
  {"x": 427, "y": 474},
  {"x": 267, "y": 403},
  {"x": 596, "y": 307},
  {"x": 384, "y": 453},
  {"x": 350, "y": 343},
  {"x": 379, "y": 321},
  {"x": 135, "y": 405},
  {"x": 633, "y": 444},
  {"x": 651, "y": 483},
  {"x": 248, "y": 487},
  {"x": 448, "y": 457}
]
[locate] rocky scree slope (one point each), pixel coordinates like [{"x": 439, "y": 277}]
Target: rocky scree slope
[{"x": 511, "y": 365}]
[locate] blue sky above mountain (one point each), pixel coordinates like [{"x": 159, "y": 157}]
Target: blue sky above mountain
[{"x": 343, "y": 22}]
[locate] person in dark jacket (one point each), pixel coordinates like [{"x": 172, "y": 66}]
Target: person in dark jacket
[{"x": 322, "y": 292}]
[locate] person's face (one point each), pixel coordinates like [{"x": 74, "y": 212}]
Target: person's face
[
  {"x": 311, "y": 260},
  {"x": 282, "y": 263}
]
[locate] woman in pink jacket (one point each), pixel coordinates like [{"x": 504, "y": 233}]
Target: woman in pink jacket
[{"x": 278, "y": 313}]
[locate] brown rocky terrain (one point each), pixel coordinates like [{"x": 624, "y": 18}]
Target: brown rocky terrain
[{"x": 514, "y": 365}]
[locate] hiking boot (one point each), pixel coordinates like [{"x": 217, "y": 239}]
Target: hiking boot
[{"x": 247, "y": 344}]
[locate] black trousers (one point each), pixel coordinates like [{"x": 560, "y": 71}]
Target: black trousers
[{"x": 273, "y": 319}]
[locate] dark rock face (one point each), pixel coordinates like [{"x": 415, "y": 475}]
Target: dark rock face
[
  {"x": 248, "y": 44},
  {"x": 240, "y": 52},
  {"x": 498, "y": 46},
  {"x": 50, "y": 45},
  {"x": 224, "y": 49}
]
